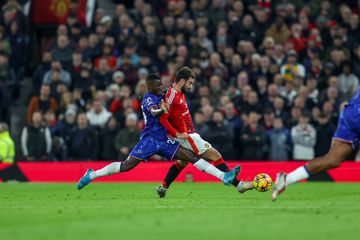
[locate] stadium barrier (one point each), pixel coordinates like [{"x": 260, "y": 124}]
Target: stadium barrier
[{"x": 155, "y": 172}]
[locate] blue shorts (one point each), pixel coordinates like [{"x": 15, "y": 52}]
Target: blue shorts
[
  {"x": 149, "y": 146},
  {"x": 348, "y": 129}
]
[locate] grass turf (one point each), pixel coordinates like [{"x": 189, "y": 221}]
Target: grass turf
[{"x": 190, "y": 211}]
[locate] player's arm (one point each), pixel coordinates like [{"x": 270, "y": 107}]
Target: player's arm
[
  {"x": 157, "y": 111},
  {"x": 169, "y": 128}
]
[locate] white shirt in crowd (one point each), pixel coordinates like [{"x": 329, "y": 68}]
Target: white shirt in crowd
[{"x": 98, "y": 119}]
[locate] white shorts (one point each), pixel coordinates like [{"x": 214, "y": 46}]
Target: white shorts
[{"x": 195, "y": 143}]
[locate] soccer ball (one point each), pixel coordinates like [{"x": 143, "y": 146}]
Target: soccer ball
[{"x": 262, "y": 182}]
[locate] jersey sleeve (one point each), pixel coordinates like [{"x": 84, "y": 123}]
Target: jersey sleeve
[
  {"x": 164, "y": 118},
  {"x": 148, "y": 103},
  {"x": 165, "y": 122}
]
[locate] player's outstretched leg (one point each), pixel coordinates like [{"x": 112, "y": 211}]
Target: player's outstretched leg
[
  {"x": 219, "y": 163},
  {"x": 214, "y": 155},
  {"x": 338, "y": 153},
  {"x": 202, "y": 165},
  {"x": 170, "y": 177},
  {"x": 112, "y": 168}
]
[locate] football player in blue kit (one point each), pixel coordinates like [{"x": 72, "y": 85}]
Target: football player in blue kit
[
  {"x": 344, "y": 141},
  {"x": 154, "y": 140}
]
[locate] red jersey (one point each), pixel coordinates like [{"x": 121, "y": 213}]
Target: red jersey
[{"x": 178, "y": 114}]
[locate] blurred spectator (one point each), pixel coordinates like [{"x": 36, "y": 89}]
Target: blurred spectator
[
  {"x": 199, "y": 123},
  {"x": 98, "y": 115},
  {"x": 5, "y": 105},
  {"x": 127, "y": 138},
  {"x": 236, "y": 124},
  {"x": 103, "y": 75},
  {"x": 59, "y": 151},
  {"x": 56, "y": 66},
  {"x": 279, "y": 142},
  {"x": 348, "y": 82},
  {"x": 107, "y": 139},
  {"x": 252, "y": 104},
  {"x": 221, "y": 135},
  {"x": 324, "y": 133},
  {"x": 18, "y": 42},
  {"x": 41, "y": 103},
  {"x": 7, "y": 146},
  {"x": 6, "y": 75},
  {"x": 278, "y": 31},
  {"x": 253, "y": 138},
  {"x": 5, "y": 44},
  {"x": 292, "y": 68},
  {"x": 40, "y": 71},
  {"x": 303, "y": 137},
  {"x": 84, "y": 141},
  {"x": 280, "y": 110},
  {"x": 268, "y": 120},
  {"x": 66, "y": 128},
  {"x": 36, "y": 139}
]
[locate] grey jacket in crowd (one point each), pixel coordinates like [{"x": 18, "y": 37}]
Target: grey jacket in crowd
[{"x": 304, "y": 140}]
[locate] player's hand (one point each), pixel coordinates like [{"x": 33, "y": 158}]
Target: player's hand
[
  {"x": 183, "y": 135},
  {"x": 163, "y": 106}
]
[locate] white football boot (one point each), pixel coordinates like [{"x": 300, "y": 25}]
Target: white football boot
[{"x": 279, "y": 186}]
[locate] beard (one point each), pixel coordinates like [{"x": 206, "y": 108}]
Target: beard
[{"x": 184, "y": 90}]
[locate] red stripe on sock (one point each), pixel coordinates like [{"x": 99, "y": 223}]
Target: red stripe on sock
[
  {"x": 164, "y": 184},
  {"x": 219, "y": 161},
  {"x": 178, "y": 166}
]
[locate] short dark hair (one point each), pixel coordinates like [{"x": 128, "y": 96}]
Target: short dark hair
[
  {"x": 306, "y": 114},
  {"x": 184, "y": 73},
  {"x": 152, "y": 77}
]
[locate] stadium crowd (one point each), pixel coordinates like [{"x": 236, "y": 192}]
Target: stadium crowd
[{"x": 271, "y": 76}]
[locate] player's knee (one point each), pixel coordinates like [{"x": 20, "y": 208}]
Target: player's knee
[
  {"x": 128, "y": 164},
  {"x": 212, "y": 154},
  {"x": 192, "y": 157}
]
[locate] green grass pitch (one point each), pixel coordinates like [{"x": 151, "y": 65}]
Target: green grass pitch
[{"x": 190, "y": 211}]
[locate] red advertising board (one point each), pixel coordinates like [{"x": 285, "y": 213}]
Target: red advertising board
[{"x": 155, "y": 171}]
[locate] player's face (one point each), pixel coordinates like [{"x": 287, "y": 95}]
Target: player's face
[
  {"x": 156, "y": 87},
  {"x": 189, "y": 84}
]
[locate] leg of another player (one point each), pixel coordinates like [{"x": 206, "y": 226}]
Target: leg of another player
[
  {"x": 211, "y": 155},
  {"x": 338, "y": 153},
  {"x": 112, "y": 168},
  {"x": 215, "y": 156},
  {"x": 116, "y": 167},
  {"x": 173, "y": 172},
  {"x": 201, "y": 164}
]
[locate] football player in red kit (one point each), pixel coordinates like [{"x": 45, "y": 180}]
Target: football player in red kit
[{"x": 178, "y": 123}]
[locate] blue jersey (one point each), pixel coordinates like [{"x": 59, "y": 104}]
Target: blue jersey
[
  {"x": 348, "y": 129},
  {"x": 355, "y": 99},
  {"x": 153, "y": 127},
  {"x": 153, "y": 139}
]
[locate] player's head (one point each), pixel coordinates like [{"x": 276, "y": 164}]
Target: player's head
[
  {"x": 154, "y": 84},
  {"x": 185, "y": 77}
]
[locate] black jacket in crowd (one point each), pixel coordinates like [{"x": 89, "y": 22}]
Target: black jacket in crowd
[
  {"x": 324, "y": 134},
  {"x": 36, "y": 142},
  {"x": 253, "y": 142},
  {"x": 84, "y": 144}
]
